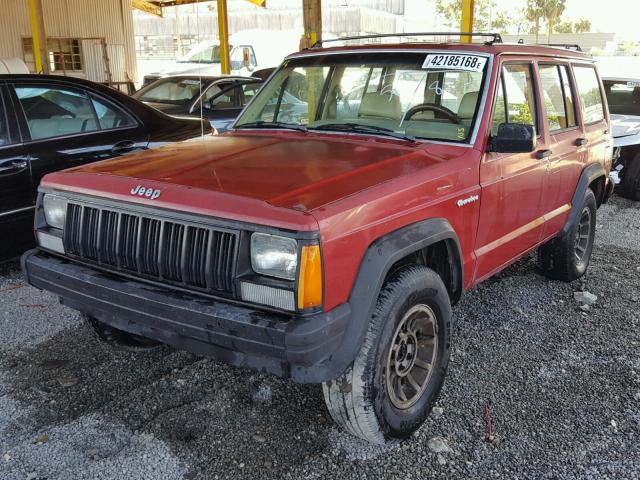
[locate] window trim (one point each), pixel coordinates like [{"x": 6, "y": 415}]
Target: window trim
[
  {"x": 5, "y": 117},
  {"x": 602, "y": 95},
  {"x": 24, "y": 123},
  {"x": 575, "y": 113}
]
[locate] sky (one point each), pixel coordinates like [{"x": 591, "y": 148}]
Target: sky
[{"x": 618, "y": 16}]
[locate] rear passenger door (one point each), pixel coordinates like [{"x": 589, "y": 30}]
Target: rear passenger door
[
  {"x": 510, "y": 207},
  {"x": 64, "y": 126},
  {"x": 564, "y": 144},
  {"x": 592, "y": 113},
  {"x": 16, "y": 193}
]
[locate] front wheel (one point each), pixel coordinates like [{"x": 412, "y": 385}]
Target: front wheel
[
  {"x": 567, "y": 257},
  {"x": 388, "y": 391}
]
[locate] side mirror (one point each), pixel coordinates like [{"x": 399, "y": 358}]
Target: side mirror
[
  {"x": 246, "y": 56},
  {"x": 514, "y": 138}
]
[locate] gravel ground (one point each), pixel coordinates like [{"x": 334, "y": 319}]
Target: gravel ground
[{"x": 563, "y": 386}]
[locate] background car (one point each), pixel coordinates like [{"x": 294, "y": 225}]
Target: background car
[
  {"x": 219, "y": 99},
  {"x": 623, "y": 97},
  {"x": 50, "y": 123}
]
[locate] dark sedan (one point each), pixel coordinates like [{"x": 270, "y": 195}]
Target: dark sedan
[
  {"x": 219, "y": 99},
  {"x": 50, "y": 123}
]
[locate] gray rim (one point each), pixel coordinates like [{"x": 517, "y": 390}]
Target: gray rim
[
  {"x": 583, "y": 234},
  {"x": 412, "y": 355}
]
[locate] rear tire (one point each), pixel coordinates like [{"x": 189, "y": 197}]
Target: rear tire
[
  {"x": 567, "y": 256},
  {"x": 388, "y": 391},
  {"x": 630, "y": 185},
  {"x": 119, "y": 338}
]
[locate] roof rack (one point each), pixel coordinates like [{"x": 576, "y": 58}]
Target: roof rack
[
  {"x": 495, "y": 37},
  {"x": 569, "y": 46}
]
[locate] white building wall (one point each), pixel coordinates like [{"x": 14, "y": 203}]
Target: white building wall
[{"x": 88, "y": 20}]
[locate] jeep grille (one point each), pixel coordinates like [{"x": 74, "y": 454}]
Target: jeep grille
[{"x": 175, "y": 252}]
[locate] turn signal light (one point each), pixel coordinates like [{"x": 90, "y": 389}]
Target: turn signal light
[{"x": 310, "y": 282}]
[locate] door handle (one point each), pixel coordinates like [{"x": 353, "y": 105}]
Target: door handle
[
  {"x": 581, "y": 142},
  {"x": 542, "y": 154},
  {"x": 13, "y": 166},
  {"x": 123, "y": 147}
]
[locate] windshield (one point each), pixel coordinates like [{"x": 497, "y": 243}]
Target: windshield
[
  {"x": 172, "y": 90},
  {"x": 207, "y": 53},
  {"x": 623, "y": 96},
  {"x": 422, "y": 95}
]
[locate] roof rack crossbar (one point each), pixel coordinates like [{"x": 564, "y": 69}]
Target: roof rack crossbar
[
  {"x": 495, "y": 37},
  {"x": 568, "y": 46}
]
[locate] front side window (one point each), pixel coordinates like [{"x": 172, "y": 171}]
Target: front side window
[
  {"x": 515, "y": 101},
  {"x": 55, "y": 112},
  {"x": 590, "y": 94},
  {"x": 422, "y": 95},
  {"x": 226, "y": 99},
  {"x": 249, "y": 90},
  {"x": 623, "y": 96},
  {"x": 558, "y": 99}
]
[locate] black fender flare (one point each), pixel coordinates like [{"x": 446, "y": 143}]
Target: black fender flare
[
  {"x": 589, "y": 174},
  {"x": 381, "y": 255}
]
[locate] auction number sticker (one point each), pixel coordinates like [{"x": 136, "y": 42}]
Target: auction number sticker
[{"x": 469, "y": 63}]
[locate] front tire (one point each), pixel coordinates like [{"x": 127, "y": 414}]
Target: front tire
[
  {"x": 389, "y": 390},
  {"x": 567, "y": 257}
]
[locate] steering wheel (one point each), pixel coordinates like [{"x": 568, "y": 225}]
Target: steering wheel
[{"x": 448, "y": 114}]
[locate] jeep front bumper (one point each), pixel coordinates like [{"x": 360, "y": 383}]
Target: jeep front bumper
[{"x": 306, "y": 349}]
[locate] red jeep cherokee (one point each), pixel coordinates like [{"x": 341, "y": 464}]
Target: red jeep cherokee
[{"x": 326, "y": 236}]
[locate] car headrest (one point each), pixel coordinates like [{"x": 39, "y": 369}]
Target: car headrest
[
  {"x": 379, "y": 105},
  {"x": 468, "y": 105}
]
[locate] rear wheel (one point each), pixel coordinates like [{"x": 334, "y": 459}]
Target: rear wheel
[
  {"x": 630, "y": 185},
  {"x": 567, "y": 257},
  {"x": 388, "y": 391},
  {"x": 119, "y": 338}
]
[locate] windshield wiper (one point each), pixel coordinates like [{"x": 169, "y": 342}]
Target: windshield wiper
[
  {"x": 263, "y": 124},
  {"x": 359, "y": 128}
]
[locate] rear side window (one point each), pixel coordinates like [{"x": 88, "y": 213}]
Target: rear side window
[
  {"x": 111, "y": 117},
  {"x": 590, "y": 94},
  {"x": 516, "y": 97},
  {"x": 558, "y": 98},
  {"x": 56, "y": 112}
]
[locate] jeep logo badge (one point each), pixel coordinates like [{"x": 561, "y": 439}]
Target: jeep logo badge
[{"x": 141, "y": 191}]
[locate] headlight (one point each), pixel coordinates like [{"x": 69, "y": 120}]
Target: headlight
[
  {"x": 55, "y": 210},
  {"x": 274, "y": 256}
]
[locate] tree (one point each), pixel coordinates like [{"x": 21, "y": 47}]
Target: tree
[
  {"x": 565, "y": 27},
  {"x": 483, "y": 14},
  {"x": 553, "y": 10},
  {"x": 534, "y": 12},
  {"x": 582, "y": 26}
]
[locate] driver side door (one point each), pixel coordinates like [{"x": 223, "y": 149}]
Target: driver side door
[{"x": 510, "y": 211}]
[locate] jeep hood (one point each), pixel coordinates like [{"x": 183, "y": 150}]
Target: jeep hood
[{"x": 295, "y": 171}]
